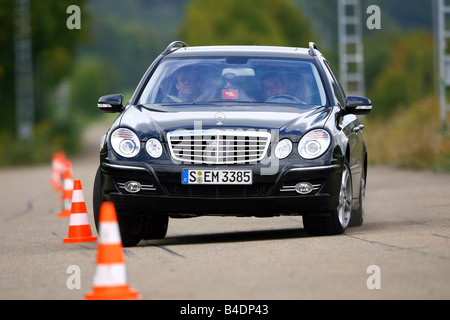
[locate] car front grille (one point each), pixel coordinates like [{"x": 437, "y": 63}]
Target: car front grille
[{"x": 218, "y": 146}]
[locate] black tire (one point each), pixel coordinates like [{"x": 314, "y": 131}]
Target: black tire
[
  {"x": 339, "y": 219},
  {"x": 131, "y": 228},
  {"x": 358, "y": 214},
  {"x": 97, "y": 198},
  {"x": 155, "y": 227}
]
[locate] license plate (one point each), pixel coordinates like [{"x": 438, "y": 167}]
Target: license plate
[{"x": 191, "y": 176}]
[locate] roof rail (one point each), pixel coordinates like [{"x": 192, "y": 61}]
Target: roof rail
[
  {"x": 171, "y": 47},
  {"x": 312, "y": 49}
]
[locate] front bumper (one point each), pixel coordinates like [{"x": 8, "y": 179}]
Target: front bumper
[{"x": 270, "y": 195}]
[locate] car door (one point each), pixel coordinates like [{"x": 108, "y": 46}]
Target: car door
[{"x": 351, "y": 126}]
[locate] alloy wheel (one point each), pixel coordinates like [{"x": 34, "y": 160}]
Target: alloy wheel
[{"x": 344, "y": 209}]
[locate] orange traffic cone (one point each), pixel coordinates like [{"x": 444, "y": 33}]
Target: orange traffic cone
[
  {"x": 79, "y": 228},
  {"x": 66, "y": 198},
  {"x": 110, "y": 278},
  {"x": 57, "y": 169}
]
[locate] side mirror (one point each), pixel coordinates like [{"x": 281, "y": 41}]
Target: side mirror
[
  {"x": 111, "y": 103},
  {"x": 358, "y": 105}
]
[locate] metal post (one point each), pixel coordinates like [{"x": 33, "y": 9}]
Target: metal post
[
  {"x": 24, "y": 88},
  {"x": 351, "y": 56},
  {"x": 443, "y": 11}
]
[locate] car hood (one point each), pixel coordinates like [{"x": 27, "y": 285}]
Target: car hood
[{"x": 155, "y": 120}]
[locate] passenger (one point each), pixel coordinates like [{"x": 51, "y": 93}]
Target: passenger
[
  {"x": 187, "y": 85},
  {"x": 272, "y": 85}
]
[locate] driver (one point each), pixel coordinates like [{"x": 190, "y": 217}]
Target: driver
[
  {"x": 187, "y": 84},
  {"x": 272, "y": 85}
]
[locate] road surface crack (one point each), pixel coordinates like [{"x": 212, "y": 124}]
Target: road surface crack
[{"x": 392, "y": 246}]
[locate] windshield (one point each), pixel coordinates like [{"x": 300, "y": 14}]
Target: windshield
[{"x": 235, "y": 79}]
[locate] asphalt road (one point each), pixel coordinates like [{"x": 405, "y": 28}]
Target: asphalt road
[{"x": 401, "y": 252}]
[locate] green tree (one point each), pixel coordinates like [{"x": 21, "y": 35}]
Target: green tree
[
  {"x": 259, "y": 22},
  {"x": 129, "y": 48},
  {"x": 53, "y": 45},
  {"x": 407, "y": 74},
  {"x": 92, "y": 78}
]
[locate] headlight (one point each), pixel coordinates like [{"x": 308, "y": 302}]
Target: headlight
[
  {"x": 125, "y": 142},
  {"x": 314, "y": 144},
  {"x": 283, "y": 149},
  {"x": 154, "y": 148}
]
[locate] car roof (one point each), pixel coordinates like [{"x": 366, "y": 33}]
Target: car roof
[{"x": 241, "y": 50}]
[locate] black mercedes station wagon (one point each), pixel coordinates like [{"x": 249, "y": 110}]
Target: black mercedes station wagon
[{"x": 234, "y": 131}]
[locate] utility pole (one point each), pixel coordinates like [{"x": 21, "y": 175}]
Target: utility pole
[
  {"x": 443, "y": 11},
  {"x": 23, "y": 63},
  {"x": 351, "y": 56}
]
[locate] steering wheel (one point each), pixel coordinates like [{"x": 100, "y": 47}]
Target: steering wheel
[
  {"x": 171, "y": 97},
  {"x": 286, "y": 97}
]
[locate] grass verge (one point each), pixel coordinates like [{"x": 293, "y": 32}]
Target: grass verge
[{"x": 411, "y": 138}]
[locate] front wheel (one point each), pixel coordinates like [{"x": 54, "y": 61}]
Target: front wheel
[
  {"x": 97, "y": 198},
  {"x": 155, "y": 227},
  {"x": 358, "y": 214},
  {"x": 131, "y": 228},
  {"x": 339, "y": 219}
]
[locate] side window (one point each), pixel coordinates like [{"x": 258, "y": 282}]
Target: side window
[{"x": 338, "y": 91}]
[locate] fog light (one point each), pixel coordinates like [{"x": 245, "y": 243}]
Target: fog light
[
  {"x": 133, "y": 186},
  {"x": 303, "y": 187}
]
